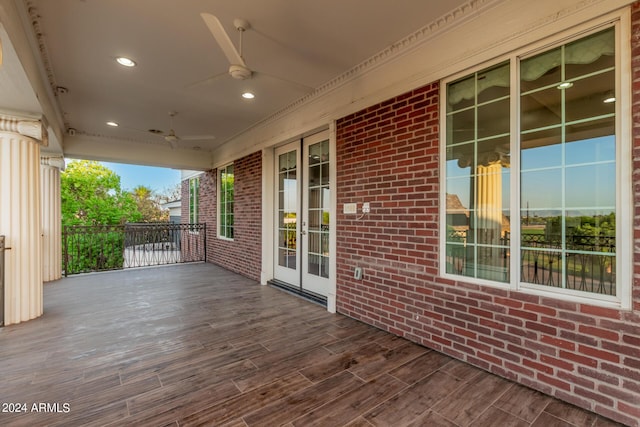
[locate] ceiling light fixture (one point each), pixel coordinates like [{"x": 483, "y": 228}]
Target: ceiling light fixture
[
  {"x": 126, "y": 62},
  {"x": 564, "y": 85},
  {"x": 248, "y": 95},
  {"x": 113, "y": 124}
]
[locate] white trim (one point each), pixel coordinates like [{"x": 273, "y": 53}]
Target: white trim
[
  {"x": 268, "y": 215},
  {"x": 624, "y": 206},
  {"x": 621, "y": 20},
  {"x": 333, "y": 211}
]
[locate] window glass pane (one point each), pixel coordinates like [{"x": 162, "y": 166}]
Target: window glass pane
[
  {"x": 541, "y": 189},
  {"x": 493, "y": 263},
  {"x": 591, "y": 272},
  {"x": 461, "y": 94},
  {"x": 540, "y": 228},
  {"x": 568, "y": 176},
  {"x": 493, "y": 151},
  {"x": 541, "y": 149},
  {"x": 460, "y": 159},
  {"x": 585, "y": 99},
  {"x": 493, "y": 119},
  {"x": 461, "y": 127},
  {"x": 541, "y": 109},
  {"x": 590, "y": 129},
  {"x": 460, "y": 260},
  {"x": 591, "y": 150},
  {"x": 477, "y": 182},
  {"x": 592, "y": 231},
  {"x": 590, "y": 54},
  {"x": 591, "y": 186},
  {"x": 324, "y": 174},
  {"x": 542, "y": 267},
  {"x": 541, "y": 71},
  {"x": 324, "y": 268},
  {"x": 493, "y": 83},
  {"x": 314, "y": 264},
  {"x": 459, "y": 195}
]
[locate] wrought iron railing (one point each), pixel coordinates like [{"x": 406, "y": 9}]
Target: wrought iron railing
[
  {"x": 114, "y": 247},
  {"x": 589, "y": 262}
]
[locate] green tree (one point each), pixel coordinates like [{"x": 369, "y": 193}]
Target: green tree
[
  {"x": 91, "y": 195},
  {"x": 149, "y": 205}
]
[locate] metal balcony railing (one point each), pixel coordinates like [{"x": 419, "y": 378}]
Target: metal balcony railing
[{"x": 114, "y": 247}]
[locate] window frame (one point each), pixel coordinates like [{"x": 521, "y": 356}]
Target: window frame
[
  {"x": 222, "y": 227},
  {"x": 624, "y": 184}
]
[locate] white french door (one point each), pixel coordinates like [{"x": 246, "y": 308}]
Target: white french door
[{"x": 303, "y": 225}]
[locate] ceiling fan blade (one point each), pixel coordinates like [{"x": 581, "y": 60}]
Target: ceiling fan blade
[
  {"x": 207, "y": 81},
  {"x": 197, "y": 137},
  {"x": 223, "y": 39},
  {"x": 301, "y": 86}
]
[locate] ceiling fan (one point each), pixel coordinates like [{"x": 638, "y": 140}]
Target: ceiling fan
[
  {"x": 171, "y": 136},
  {"x": 238, "y": 68}
]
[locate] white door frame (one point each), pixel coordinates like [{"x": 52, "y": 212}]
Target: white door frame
[{"x": 269, "y": 220}]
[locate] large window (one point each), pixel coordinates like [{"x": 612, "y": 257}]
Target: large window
[
  {"x": 194, "y": 200},
  {"x": 532, "y": 170},
  {"x": 225, "y": 202}
]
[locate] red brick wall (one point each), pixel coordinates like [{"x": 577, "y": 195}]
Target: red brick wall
[
  {"x": 242, "y": 254},
  {"x": 388, "y": 156}
]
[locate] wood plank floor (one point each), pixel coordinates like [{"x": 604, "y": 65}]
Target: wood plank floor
[{"x": 197, "y": 345}]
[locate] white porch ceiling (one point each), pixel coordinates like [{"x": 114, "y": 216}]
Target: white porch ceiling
[{"x": 294, "y": 47}]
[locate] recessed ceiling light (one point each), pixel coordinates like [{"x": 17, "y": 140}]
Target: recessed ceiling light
[
  {"x": 564, "y": 85},
  {"x": 609, "y": 100},
  {"x": 248, "y": 95},
  {"x": 113, "y": 124},
  {"x": 122, "y": 60}
]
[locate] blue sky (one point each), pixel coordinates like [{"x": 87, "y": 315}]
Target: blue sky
[{"x": 158, "y": 179}]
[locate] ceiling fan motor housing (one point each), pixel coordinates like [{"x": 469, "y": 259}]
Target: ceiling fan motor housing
[{"x": 239, "y": 72}]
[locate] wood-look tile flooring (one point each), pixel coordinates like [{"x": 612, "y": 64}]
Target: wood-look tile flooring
[{"x": 197, "y": 345}]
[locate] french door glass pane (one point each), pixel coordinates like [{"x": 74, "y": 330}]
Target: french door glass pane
[
  {"x": 318, "y": 209},
  {"x": 287, "y": 209}
]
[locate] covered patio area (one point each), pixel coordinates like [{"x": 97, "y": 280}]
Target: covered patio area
[{"x": 198, "y": 345}]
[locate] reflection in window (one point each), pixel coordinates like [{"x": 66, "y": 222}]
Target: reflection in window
[
  {"x": 477, "y": 174},
  {"x": 225, "y": 218},
  {"x": 568, "y": 188},
  {"x": 567, "y": 158}
]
